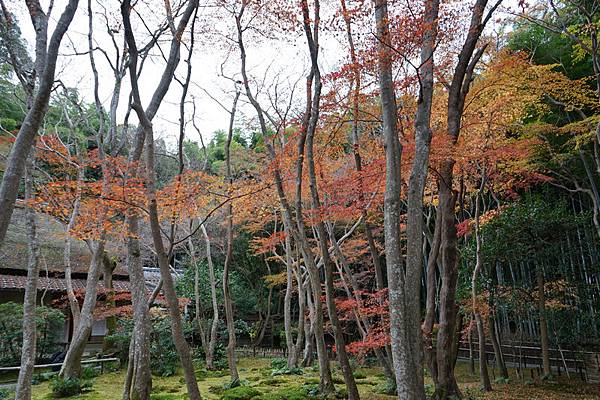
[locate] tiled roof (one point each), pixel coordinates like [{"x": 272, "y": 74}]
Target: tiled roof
[{"x": 17, "y": 282}]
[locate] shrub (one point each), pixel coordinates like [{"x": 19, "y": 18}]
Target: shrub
[
  {"x": 49, "y": 322},
  {"x": 278, "y": 363},
  {"x": 89, "y": 373},
  {"x": 359, "y": 375},
  {"x": 240, "y": 393},
  {"x": 69, "y": 387},
  {"x": 287, "y": 371}
]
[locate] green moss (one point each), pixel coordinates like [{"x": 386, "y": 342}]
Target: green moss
[
  {"x": 271, "y": 382},
  {"x": 312, "y": 381},
  {"x": 288, "y": 393},
  {"x": 240, "y": 393},
  {"x": 166, "y": 396}
]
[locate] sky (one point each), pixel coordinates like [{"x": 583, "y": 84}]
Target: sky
[
  {"x": 285, "y": 59},
  {"x": 265, "y": 59}
]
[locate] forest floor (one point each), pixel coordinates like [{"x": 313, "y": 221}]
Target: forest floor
[{"x": 259, "y": 384}]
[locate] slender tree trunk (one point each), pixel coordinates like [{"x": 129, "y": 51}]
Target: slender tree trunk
[
  {"x": 107, "y": 279},
  {"x": 309, "y": 331},
  {"x": 326, "y": 386},
  {"x": 71, "y": 367},
  {"x": 28, "y": 349},
  {"x": 484, "y": 376},
  {"x": 300, "y": 339},
  {"x": 215, "y": 305},
  {"x": 145, "y": 117},
  {"x": 292, "y": 359},
  {"x": 471, "y": 355},
  {"x": 430, "y": 305},
  {"x": 497, "y": 347},
  {"x": 197, "y": 303},
  {"x": 229, "y": 317},
  {"x": 313, "y": 119}
]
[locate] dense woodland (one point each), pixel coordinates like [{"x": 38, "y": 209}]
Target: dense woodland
[{"x": 421, "y": 177}]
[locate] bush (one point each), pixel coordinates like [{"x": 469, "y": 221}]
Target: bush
[
  {"x": 287, "y": 371},
  {"x": 279, "y": 367},
  {"x": 359, "y": 375},
  {"x": 278, "y": 363},
  {"x": 89, "y": 373},
  {"x": 69, "y": 387},
  {"x": 240, "y": 393},
  {"x": 49, "y": 322}
]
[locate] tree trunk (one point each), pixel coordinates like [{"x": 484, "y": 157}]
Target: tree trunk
[
  {"x": 142, "y": 377},
  {"x": 326, "y": 386},
  {"x": 147, "y": 135},
  {"x": 292, "y": 359},
  {"x": 73, "y": 303},
  {"x": 457, "y": 92},
  {"x": 447, "y": 385},
  {"x": 28, "y": 349},
  {"x": 229, "y": 317},
  {"x": 71, "y": 367},
  {"x": 215, "y": 305},
  {"x": 197, "y": 302},
  {"x": 405, "y": 352},
  {"x": 497, "y": 347},
  {"x": 430, "y": 305},
  {"x": 484, "y": 376},
  {"x": 314, "y": 98}
]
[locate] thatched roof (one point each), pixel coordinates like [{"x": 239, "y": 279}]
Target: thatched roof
[{"x": 51, "y": 234}]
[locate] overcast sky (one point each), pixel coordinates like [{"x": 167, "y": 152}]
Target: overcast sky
[{"x": 284, "y": 58}]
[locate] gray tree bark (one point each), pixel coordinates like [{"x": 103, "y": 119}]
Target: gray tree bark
[
  {"x": 215, "y": 306},
  {"x": 404, "y": 345},
  {"x": 28, "y": 349}
]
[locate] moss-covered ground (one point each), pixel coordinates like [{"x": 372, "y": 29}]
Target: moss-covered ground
[{"x": 259, "y": 384}]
